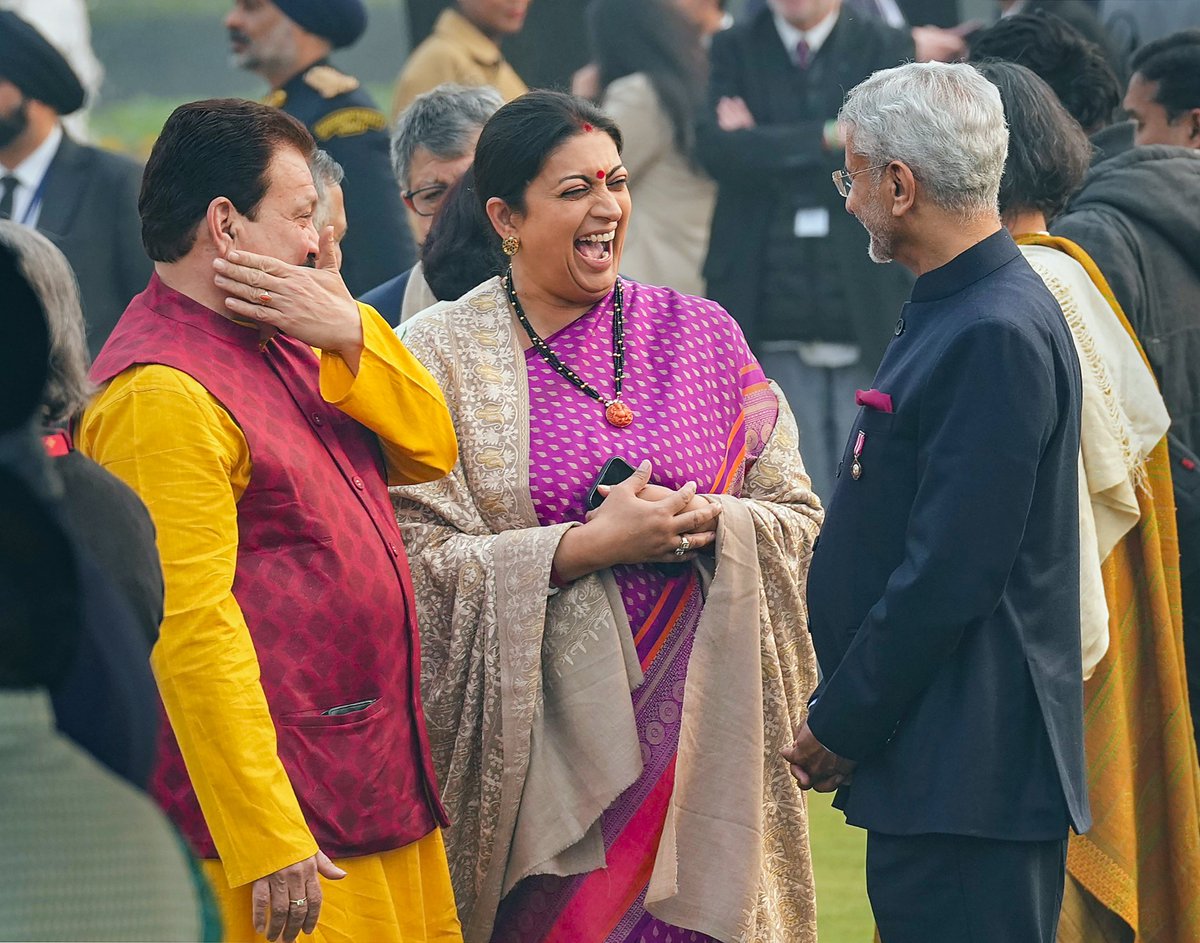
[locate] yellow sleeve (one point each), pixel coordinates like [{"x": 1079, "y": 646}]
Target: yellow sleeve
[
  {"x": 394, "y": 396},
  {"x": 162, "y": 433}
]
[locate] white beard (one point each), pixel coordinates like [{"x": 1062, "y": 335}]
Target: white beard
[{"x": 881, "y": 248}]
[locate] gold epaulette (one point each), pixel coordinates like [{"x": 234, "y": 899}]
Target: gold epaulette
[
  {"x": 348, "y": 123},
  {"x": 328, "y": 82}
]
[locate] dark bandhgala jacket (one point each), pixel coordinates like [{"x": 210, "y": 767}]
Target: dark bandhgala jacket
[
  {"x": 944, "y": 591},
  {"x": 777, "y": 286},
  {"x": 322, "y": 579}
]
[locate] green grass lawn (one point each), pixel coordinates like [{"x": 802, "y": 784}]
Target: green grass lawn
[{"x": 843, "y": 914}]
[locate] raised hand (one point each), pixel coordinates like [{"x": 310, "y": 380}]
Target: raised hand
[
  {"x": 312, "y": 305},
  {"x": 627, "y": 528}
]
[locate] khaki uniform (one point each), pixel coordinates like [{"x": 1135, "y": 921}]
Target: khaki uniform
[{"x": 456, "y": 51}]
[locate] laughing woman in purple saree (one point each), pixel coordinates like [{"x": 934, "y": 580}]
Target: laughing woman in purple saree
[{"x": 607, "y": 692}]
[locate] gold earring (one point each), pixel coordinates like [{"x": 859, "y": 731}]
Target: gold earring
[{"x": 511, "y": 245}]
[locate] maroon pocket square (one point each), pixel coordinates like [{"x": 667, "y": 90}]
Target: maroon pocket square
[{"x": 873, "y": 399}]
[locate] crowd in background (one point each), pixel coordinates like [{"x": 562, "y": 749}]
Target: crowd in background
[{"x": 199, "y": 538}]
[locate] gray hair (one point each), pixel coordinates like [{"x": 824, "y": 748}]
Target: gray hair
[
  {"x": 50, "y": 276},
  {"x": 946, "y": 122},
  {"x": 327, "y": 173},
  {"x": 445, "y": 121}
]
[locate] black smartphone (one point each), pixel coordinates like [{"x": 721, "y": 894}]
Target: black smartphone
[
  {"x": 615, "y": 471},
  {"x": 349, "y": 708}
]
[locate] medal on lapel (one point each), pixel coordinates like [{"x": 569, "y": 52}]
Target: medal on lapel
[{"x": 856, "y": 468}]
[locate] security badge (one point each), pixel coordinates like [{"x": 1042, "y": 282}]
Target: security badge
[{"x": 860, "y": 443}]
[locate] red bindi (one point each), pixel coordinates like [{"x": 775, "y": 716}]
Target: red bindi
[
  {"x": 588, "y": 128},
  {"x": 599, "y": 174}
]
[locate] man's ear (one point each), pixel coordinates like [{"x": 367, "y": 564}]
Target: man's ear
[
  {"x": 903, "y": 186},
  {"x": 503, "y": 217},
  {"x": 1193, "y": 126},
  {"x": 223, "y": 222}
]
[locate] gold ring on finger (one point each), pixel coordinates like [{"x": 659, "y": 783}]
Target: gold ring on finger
[
  {"x": 264, "y": 297},
  {"x": 300, "y": 903},
  {"x": 684, "y": 545}
]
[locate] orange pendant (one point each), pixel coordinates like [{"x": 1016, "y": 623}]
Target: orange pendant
[{"x": 618, "y": 414}]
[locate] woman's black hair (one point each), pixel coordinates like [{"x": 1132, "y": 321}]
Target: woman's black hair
[
  {"x": 1062, "y": 57},
  {"x": 461, "y": 249},
  {"x": 1048, "y": 151},
  {"x": 654, "y": 38},
  {"x": 518, "y": 139}
]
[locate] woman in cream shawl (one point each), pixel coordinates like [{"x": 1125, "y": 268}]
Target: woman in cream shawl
[
  {"x": 591, "y": 799},
  {"x": 1133, "y": 876}
]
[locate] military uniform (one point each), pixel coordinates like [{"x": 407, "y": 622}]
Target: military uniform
[{"x": 346, "y": 122}]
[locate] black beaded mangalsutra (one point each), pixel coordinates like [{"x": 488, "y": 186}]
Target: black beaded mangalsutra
[{"x": 615, "y": 411}]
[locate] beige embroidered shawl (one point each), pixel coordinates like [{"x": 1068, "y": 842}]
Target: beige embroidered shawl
[{"x": 527, "y": 695}]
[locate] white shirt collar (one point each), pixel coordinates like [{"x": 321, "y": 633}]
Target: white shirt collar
[
  {"x": 33, "y": 168},
  {"x": 815, "y": 37},
  {"x": 27, "y": 202}
]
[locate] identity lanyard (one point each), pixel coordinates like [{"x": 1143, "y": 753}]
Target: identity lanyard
[{"x": 36, "y": 203}]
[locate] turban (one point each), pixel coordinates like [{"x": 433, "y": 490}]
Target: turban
[
  {"x": 35, "y": 67},
  {"x": 339, "y": 21}
]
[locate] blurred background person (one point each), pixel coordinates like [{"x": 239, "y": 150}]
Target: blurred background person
[
  {"x": 1163, "y": 98},
  {"x": 461, "y": 250},
  {"x": 82, "y": 197},
  {"x": 652, "y": 72},
  {"x": 708, "y": 16},
  {"x": 784, "y": 258},
  {"x": 433, "y": 144},
  {"x": 288, "y": 43},
  {"x": 1068, "y": 62},
  {"x": 66, "y": 25},
  {"x": 328, "y": 176},
  {"x": 96, "y": 859},
  {"x": 1076, "y": 13},
  {"x": 464, "y": 49},
  {"x": 1133, "y": 23},
  {"x": 106, "y": 702},
  {"x": 1142, "y": 774},
  {"x": 924, "y": 20}
]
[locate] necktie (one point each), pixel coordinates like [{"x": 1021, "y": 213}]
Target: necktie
[
  {"x": 802, "y": 54},
  {"x": 9, "y": 186}
]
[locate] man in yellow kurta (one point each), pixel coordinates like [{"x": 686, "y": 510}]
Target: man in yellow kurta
[
  {"x": 464, "y": 48},
  {"x": 287, "y": 661}
]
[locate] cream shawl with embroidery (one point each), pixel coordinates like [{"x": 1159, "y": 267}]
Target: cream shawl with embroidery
[{"x": 527, "y": 695}]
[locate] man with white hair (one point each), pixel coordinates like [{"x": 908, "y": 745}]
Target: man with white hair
[{"x": 944, "y": 594}]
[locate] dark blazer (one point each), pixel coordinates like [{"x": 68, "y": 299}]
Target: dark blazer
[
  {"x": 388, "y": 298},
  {"x": 344, "y": 119},
  {"x": 90, "y": 211},
  {"x": 784, "y": 160},
  {"x": 944, "y": 592}
]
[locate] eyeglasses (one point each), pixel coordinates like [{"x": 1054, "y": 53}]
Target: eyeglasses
[
  {"x": 843, "y": 179},
  {"x": 425, "y": 201}
]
